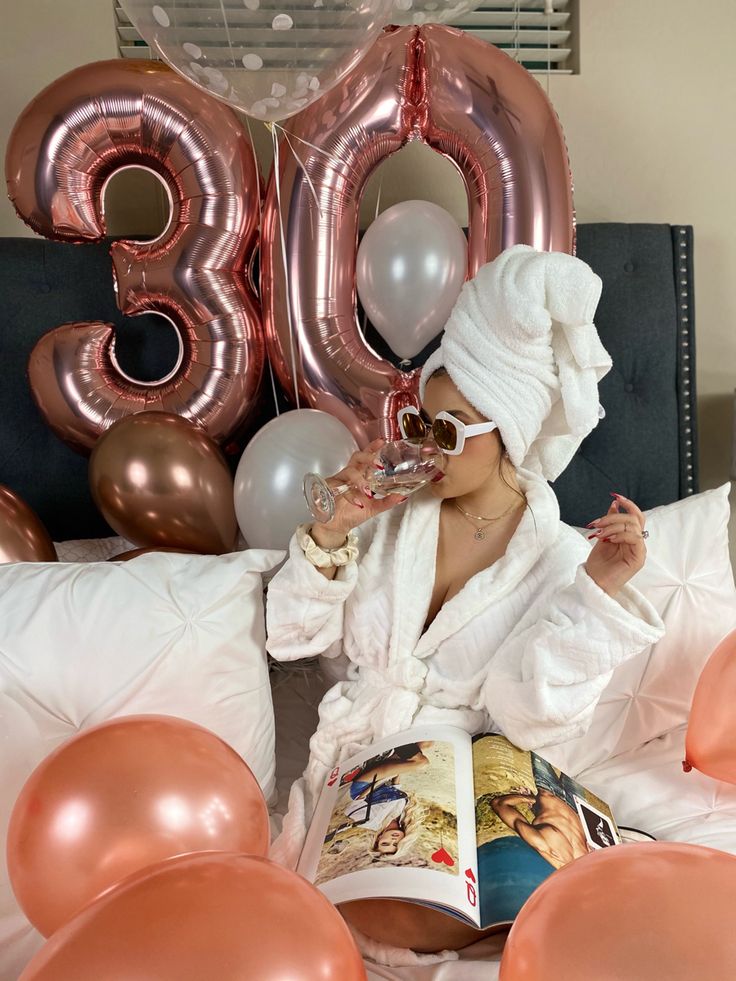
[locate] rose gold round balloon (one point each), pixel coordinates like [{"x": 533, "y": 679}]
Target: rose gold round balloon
[
  {"x": 636, "y": 912},
  {"x": 65, "y": 146},
  {"x": 206, "y": 917},
  {"x": 160, "y": 481},
  {"x": 117, "y": 798},
  {"x": 23, "y": 537},
  {"x": 488, "y": 115},
  {"x": 710, "y": 744}
]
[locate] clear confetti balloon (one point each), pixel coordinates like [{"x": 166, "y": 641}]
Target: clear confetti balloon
[
  {"x": 270, "y": 58},
  {"x": 430, "y": 11}
]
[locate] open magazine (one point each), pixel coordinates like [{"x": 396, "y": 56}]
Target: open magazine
[{"x": 467, "y": 825}]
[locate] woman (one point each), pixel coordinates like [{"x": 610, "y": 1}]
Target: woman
[{"x": 470, "y": 602}]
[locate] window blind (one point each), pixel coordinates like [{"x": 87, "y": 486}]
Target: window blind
[{"x": 540, "y": 34}]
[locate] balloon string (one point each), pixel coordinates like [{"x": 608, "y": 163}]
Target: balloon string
[
  {"x": 312, "y": 146},
  {"x": 227, "y": 32},
  {"x": 549, "y": 10},
  {"x": 260, "y": 232},
  {"x": 301, "y": 164},
  {"x": 287, "y": 278}
]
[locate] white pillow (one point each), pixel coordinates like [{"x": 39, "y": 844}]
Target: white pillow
[
  {"x": 688, "y": 578},
  {"x": 165, "y": 633}
]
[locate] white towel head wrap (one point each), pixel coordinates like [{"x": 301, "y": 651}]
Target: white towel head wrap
[{"x": 521, "y": 346}]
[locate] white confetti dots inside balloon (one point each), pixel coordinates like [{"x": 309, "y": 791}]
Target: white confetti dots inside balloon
[
  {"x": 252, "y": 4},
  {"x": 216, "y": 81},
  {"x": 277, "y": 89},
  {"x": 252, "y": 62},
  {"x": 160, "y": 16},
  {"x": 282, "y": 22},
  {"x": 404, "y": 4},
  {"x": 314, "y": 83},
  {"x": 193, "y": 50}
]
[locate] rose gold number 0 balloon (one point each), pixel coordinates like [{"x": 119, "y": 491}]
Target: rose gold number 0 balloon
[
  {"x": 484, "y": 112},
  {"x": 65, "y": 146}
]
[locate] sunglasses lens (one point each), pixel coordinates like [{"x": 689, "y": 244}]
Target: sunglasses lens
[
  {"x": 445, "y": 434},
  {"x": 412, "y": 426}
]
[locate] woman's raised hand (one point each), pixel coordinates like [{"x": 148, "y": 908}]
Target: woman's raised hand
[
  {"x": 357, "y": 504},
  {"x": 619, "y": 550}
]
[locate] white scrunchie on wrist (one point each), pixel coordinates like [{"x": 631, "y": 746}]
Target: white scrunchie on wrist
[{"x": 322, "y": 558}]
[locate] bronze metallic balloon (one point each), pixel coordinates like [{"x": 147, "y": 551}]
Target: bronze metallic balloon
[
  {"x": 64, "y": 148},
  {"x": 119, "y": 797},
  {"x": 494, "y": 122},
  {"x": 23, "y": 537},
  {"x": 160, "y": 481}
]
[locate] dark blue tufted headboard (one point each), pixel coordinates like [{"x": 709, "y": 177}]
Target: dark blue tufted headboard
[{"x": 645, "y": 448}]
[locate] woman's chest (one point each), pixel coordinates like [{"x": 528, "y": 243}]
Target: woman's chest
[{"x": 462, "y": 555}]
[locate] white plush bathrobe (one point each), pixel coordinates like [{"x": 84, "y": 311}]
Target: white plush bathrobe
[{"x": 525, "y": 648}]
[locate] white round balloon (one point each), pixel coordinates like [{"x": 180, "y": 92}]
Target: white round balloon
[
  {"x": 269, "y": 501},
  {"x": 411, "y": 264}
]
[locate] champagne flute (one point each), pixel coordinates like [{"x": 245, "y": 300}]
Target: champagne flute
[{"x": 405, "y": 467}]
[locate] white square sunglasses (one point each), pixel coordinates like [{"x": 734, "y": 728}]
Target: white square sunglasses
[{"x": 448, "y": 432}]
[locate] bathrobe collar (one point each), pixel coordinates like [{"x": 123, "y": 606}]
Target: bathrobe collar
[{"x": 415, "y": 560}]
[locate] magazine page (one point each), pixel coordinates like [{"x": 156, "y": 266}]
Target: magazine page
[
  {"x": 530, "y": 820},
  {"x": 396, "y": 821}
]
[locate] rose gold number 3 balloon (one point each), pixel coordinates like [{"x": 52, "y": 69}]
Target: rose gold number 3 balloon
[
  {"x": 65, "y": 146},
  {"x": 466, "y": 99}
]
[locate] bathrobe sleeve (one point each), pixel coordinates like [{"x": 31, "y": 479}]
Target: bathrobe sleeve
[
  {"x": 304, "y": 610},
  {"x": 544, "y": 683}
]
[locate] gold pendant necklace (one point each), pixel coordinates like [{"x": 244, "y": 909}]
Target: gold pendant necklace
[{"x": 480, "y": 534}]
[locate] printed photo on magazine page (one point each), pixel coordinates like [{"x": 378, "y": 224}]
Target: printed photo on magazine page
[
  {"x": 390, "y": 823},
  {"x": 530, "y": 820}
]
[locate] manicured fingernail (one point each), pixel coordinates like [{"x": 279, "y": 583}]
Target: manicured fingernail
[
  {"x": 621, "y": 496},
  {"x": 368, "y": 492},
  {"x": 402, "y": 499},
  {"x": 379, "y": 466},
  {"x": 591, "y": 524},
  {"x": 605, "y": 539},
  {"x": 594, "y": 535},
  {"x": 359, "y": 505}
]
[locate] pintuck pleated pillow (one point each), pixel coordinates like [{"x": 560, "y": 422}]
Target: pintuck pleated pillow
[
  {"x": 164, "y": 633},
  {"x": 688, "y": 579}
]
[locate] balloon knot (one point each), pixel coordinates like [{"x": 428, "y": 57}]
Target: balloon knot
[{"x": 687, "y": 767}]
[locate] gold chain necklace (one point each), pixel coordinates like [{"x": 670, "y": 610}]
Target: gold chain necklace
[{"x": 480, "y": 533}]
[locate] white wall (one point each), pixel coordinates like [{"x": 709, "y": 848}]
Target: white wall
[
  {"x": 648, "y": 124},
  {"x": 41, "y": 40}
]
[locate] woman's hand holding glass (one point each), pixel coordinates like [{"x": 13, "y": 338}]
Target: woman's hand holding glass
[{"x": 353, "y": 499}]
